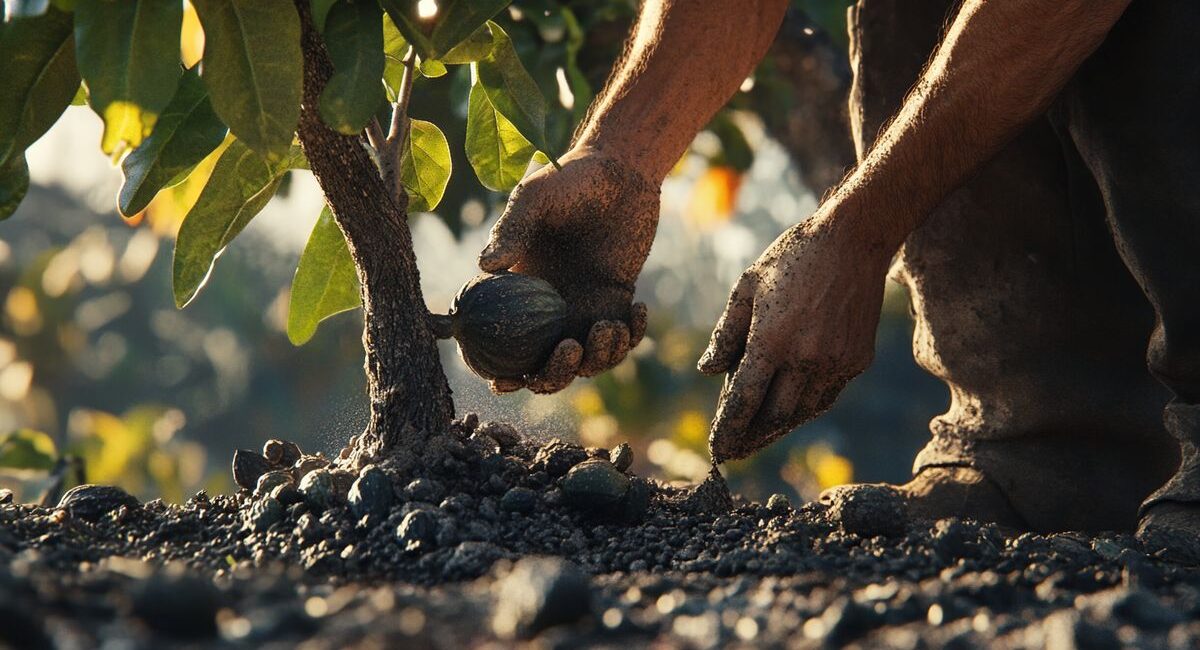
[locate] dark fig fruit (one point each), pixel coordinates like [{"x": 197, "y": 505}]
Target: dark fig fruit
[{"x": 506, "y": 324}]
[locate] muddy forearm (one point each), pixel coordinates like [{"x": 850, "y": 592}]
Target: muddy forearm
[
  {"x": 685, "y": 59},
  {"x": 999, "y": 67}
]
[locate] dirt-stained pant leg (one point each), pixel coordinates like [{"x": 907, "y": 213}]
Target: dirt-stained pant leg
[
  {"x": 1023, "y": 308},
  {"x": 1133, "y": 111}
]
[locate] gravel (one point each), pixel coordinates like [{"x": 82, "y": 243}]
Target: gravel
[{"x": 478, "y": 542}]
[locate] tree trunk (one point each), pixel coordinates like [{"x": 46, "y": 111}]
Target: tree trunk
[{"x": 410, "y": 398}]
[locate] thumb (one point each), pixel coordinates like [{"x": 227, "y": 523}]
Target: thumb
[{"x": 509, "y": 238}]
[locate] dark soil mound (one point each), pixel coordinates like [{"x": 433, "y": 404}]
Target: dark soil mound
[{"x": 485, "y": 536}]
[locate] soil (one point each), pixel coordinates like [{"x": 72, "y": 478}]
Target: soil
[{"x": 486, "y": 539}]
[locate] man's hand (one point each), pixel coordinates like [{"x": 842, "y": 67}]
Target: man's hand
[
  {"x": 799, "y": 325},
  {"x": 586, "y": 229}
]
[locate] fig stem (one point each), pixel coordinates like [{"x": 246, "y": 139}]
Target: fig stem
[{"x": 442, "y": 325}]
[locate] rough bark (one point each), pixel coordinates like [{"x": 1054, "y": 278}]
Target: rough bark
[{"x": 410, "y": 398}]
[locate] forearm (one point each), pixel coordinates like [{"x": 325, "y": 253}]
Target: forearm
[
  {"x": 685, "y": 59},
  {"x": 998, "y": 68}
]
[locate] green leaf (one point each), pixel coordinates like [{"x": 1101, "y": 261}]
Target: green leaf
[
  {"x": 458, "y": 20},
  {"x": 320, "y": 11},
  {"x": 476, "y": 47},
  {"x": 241, "y": 184},
  {"x": 512, "y": 91},
  {"x": 497, "y": 151},
  {"x": 431, "y": 68},
  {"x": 425, "y": 166},
  {"x": 354, "y": 38},
  {"x": 404, "y": 14},
  {"x": 26, "y": 449},
  {"x": 128, "y": 54},
  {"x": 253, "y": 70},
  {"x": 394, "y": 49},
  {"x": 80, "y": 98},
  {"x": 40, "y": 78},
  {"x": 325, "y": 283},
  {"x": 14, "y": 184},
  {"x": 26, "y": 8},
  {"x": 187, "y": 131}
]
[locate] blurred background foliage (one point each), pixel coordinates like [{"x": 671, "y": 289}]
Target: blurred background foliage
[{"x": 99, "y": 371}]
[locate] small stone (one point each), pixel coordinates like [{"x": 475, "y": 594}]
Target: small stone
[
  {"x": 273, "y": 451},
  {"x": 247, "y": 467},
  {"x": 92, "y": 502},
  {"x": 318, "y": 489},
  {"x": 371, "y": 493},
  {"x": 263, "y": 514},
  {"x": 287, "y": 494},
  {"x": 306, "y": 464},
  {"x": 955, "y": 539},
  {"x": 342, "y": 480},
  {"x": 556, "y": 458},
  {"x": 594, "y": 484},
  {"x": 504, "y": 434},
  {"x": 6, "y": 496},
  {"x": 519, "y": 499},
  {"x": 417, "y": 531},
  {"x": 868, "y": 510},
  {"x": 779, "y": 504},
  {"x": 472, "y": 559},
  {"x": 424, "y": 489},
  {"x": 271, "y": 480},
  {"x": 621, "y": 456},
  {"x": 539, "y": 593}
]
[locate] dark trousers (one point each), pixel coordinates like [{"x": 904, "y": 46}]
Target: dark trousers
[{"x": 1038, "y": 287}]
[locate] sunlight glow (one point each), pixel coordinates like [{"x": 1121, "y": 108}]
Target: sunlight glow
[
  {"x": 427, "y": 9},
  {"x": 565, "y": 96}
]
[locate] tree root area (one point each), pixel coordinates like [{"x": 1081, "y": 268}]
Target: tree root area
[{"x": 485, "y": 537}]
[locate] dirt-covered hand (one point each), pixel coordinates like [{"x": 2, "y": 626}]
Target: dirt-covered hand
[
  {"x": 799, "y": 324},
  {"x": 586, "y": 229}
]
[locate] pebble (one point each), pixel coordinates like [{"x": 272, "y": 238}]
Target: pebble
[
  {"x": 779, "y": 504},
  {"x": 417, "y": 531},
  {"x": 539, "y": 593},
  {"x": 594, "y": 484},
  {"x": 94, "y": 501},
  {"x": 424, "y": 489},
  {"x": 267, "y": 483},
  {"x": 505, "y": 435},
  {"x": 556, "y": 458},
  {"x": 247, "y": 467},
  {"x": 318, "y": 489},
  {"x": 6, "y": 496},
  {"x": 621, "y": 456},
  {"x": 263, "y": 514},
  {"x": 519, "y": 499},
  {"x": 371, "y": 493},
  {"x": 868, "y": 510}
]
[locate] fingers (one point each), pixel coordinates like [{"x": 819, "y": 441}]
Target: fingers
[
  {"x": 637, "y": 324},
  {"x": 509, "y": 238},
  {"x": 740, "y": 400},
  {"x": 729, "y": 336},
  {"x": 560, "y": 370},
  {"x": 778, "y": 413},
  {"x": 602, "y": 341}
]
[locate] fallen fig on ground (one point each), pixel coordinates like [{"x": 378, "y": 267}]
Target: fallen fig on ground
[{"x": 506, "y": 324}]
